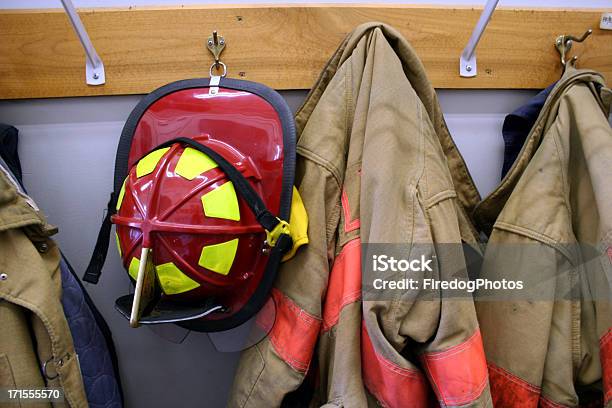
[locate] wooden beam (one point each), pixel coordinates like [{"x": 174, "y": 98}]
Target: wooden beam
[{"x": 284, "y": 47}]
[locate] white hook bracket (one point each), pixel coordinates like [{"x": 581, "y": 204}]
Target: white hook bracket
[
  {"x": 94, "y": 68},
  {"x": 467, "y": 61}
]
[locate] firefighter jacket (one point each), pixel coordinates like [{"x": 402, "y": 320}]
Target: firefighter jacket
[
  {"x": 373, "y": 167},
  {"x": 36, "y": 348},
  {"x": 551, "y": 221}
]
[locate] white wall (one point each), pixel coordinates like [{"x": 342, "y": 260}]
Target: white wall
[{"x": 67, "y": 150}]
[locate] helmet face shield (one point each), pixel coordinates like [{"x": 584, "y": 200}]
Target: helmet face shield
[
  {"x": 205, "y": 196},
  {"x": 228, "y": 341}
]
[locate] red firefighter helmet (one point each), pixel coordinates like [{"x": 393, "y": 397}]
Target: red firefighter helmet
[{"x": 202, "y": 215}]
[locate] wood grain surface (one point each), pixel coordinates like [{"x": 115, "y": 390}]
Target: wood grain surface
[{"x": 284, "y": 47}]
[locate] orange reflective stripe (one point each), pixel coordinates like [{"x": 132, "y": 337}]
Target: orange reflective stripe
[
  {"x": 605, "y": 353},
  {"x": 459, "y": 374},
  {"x": 344, "y": 285},
  {"x": 294, "y": 333},
  {"x": 392, "y": 385},
  {"x": 349, "y": 224},
  {"x": 510, "y": 391}
]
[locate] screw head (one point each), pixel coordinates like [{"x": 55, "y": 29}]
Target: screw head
[
  {"x": 3, "y": 276},
  {"x": 96, "y": 75},
  {"x": 222, "y": 41},
  {"x": 468, "y": 68},
  {"x": 210, "y": 42}
]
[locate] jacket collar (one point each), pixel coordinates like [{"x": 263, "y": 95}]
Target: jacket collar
[
  {"x": 487, "y": 211},
  {"x": 415, "y": 72}
]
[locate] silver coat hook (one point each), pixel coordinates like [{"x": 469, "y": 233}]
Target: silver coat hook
[
  {"x": 564, "y": 44},
  {"x": 94, "y": 68},
  {"x": 467, "y": 61}
]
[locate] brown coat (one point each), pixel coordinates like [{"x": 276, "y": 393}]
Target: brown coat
[
  {"x": 33, "y": 328},
  {"x": 551, "y": 222},
  {"x": 373, "y": 167}
]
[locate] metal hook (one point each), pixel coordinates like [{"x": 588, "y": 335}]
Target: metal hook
[
  {"x": 582, "y": 38},
  {"x": 216, "y": 44},
  {"x": 564, "y": 44}
]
